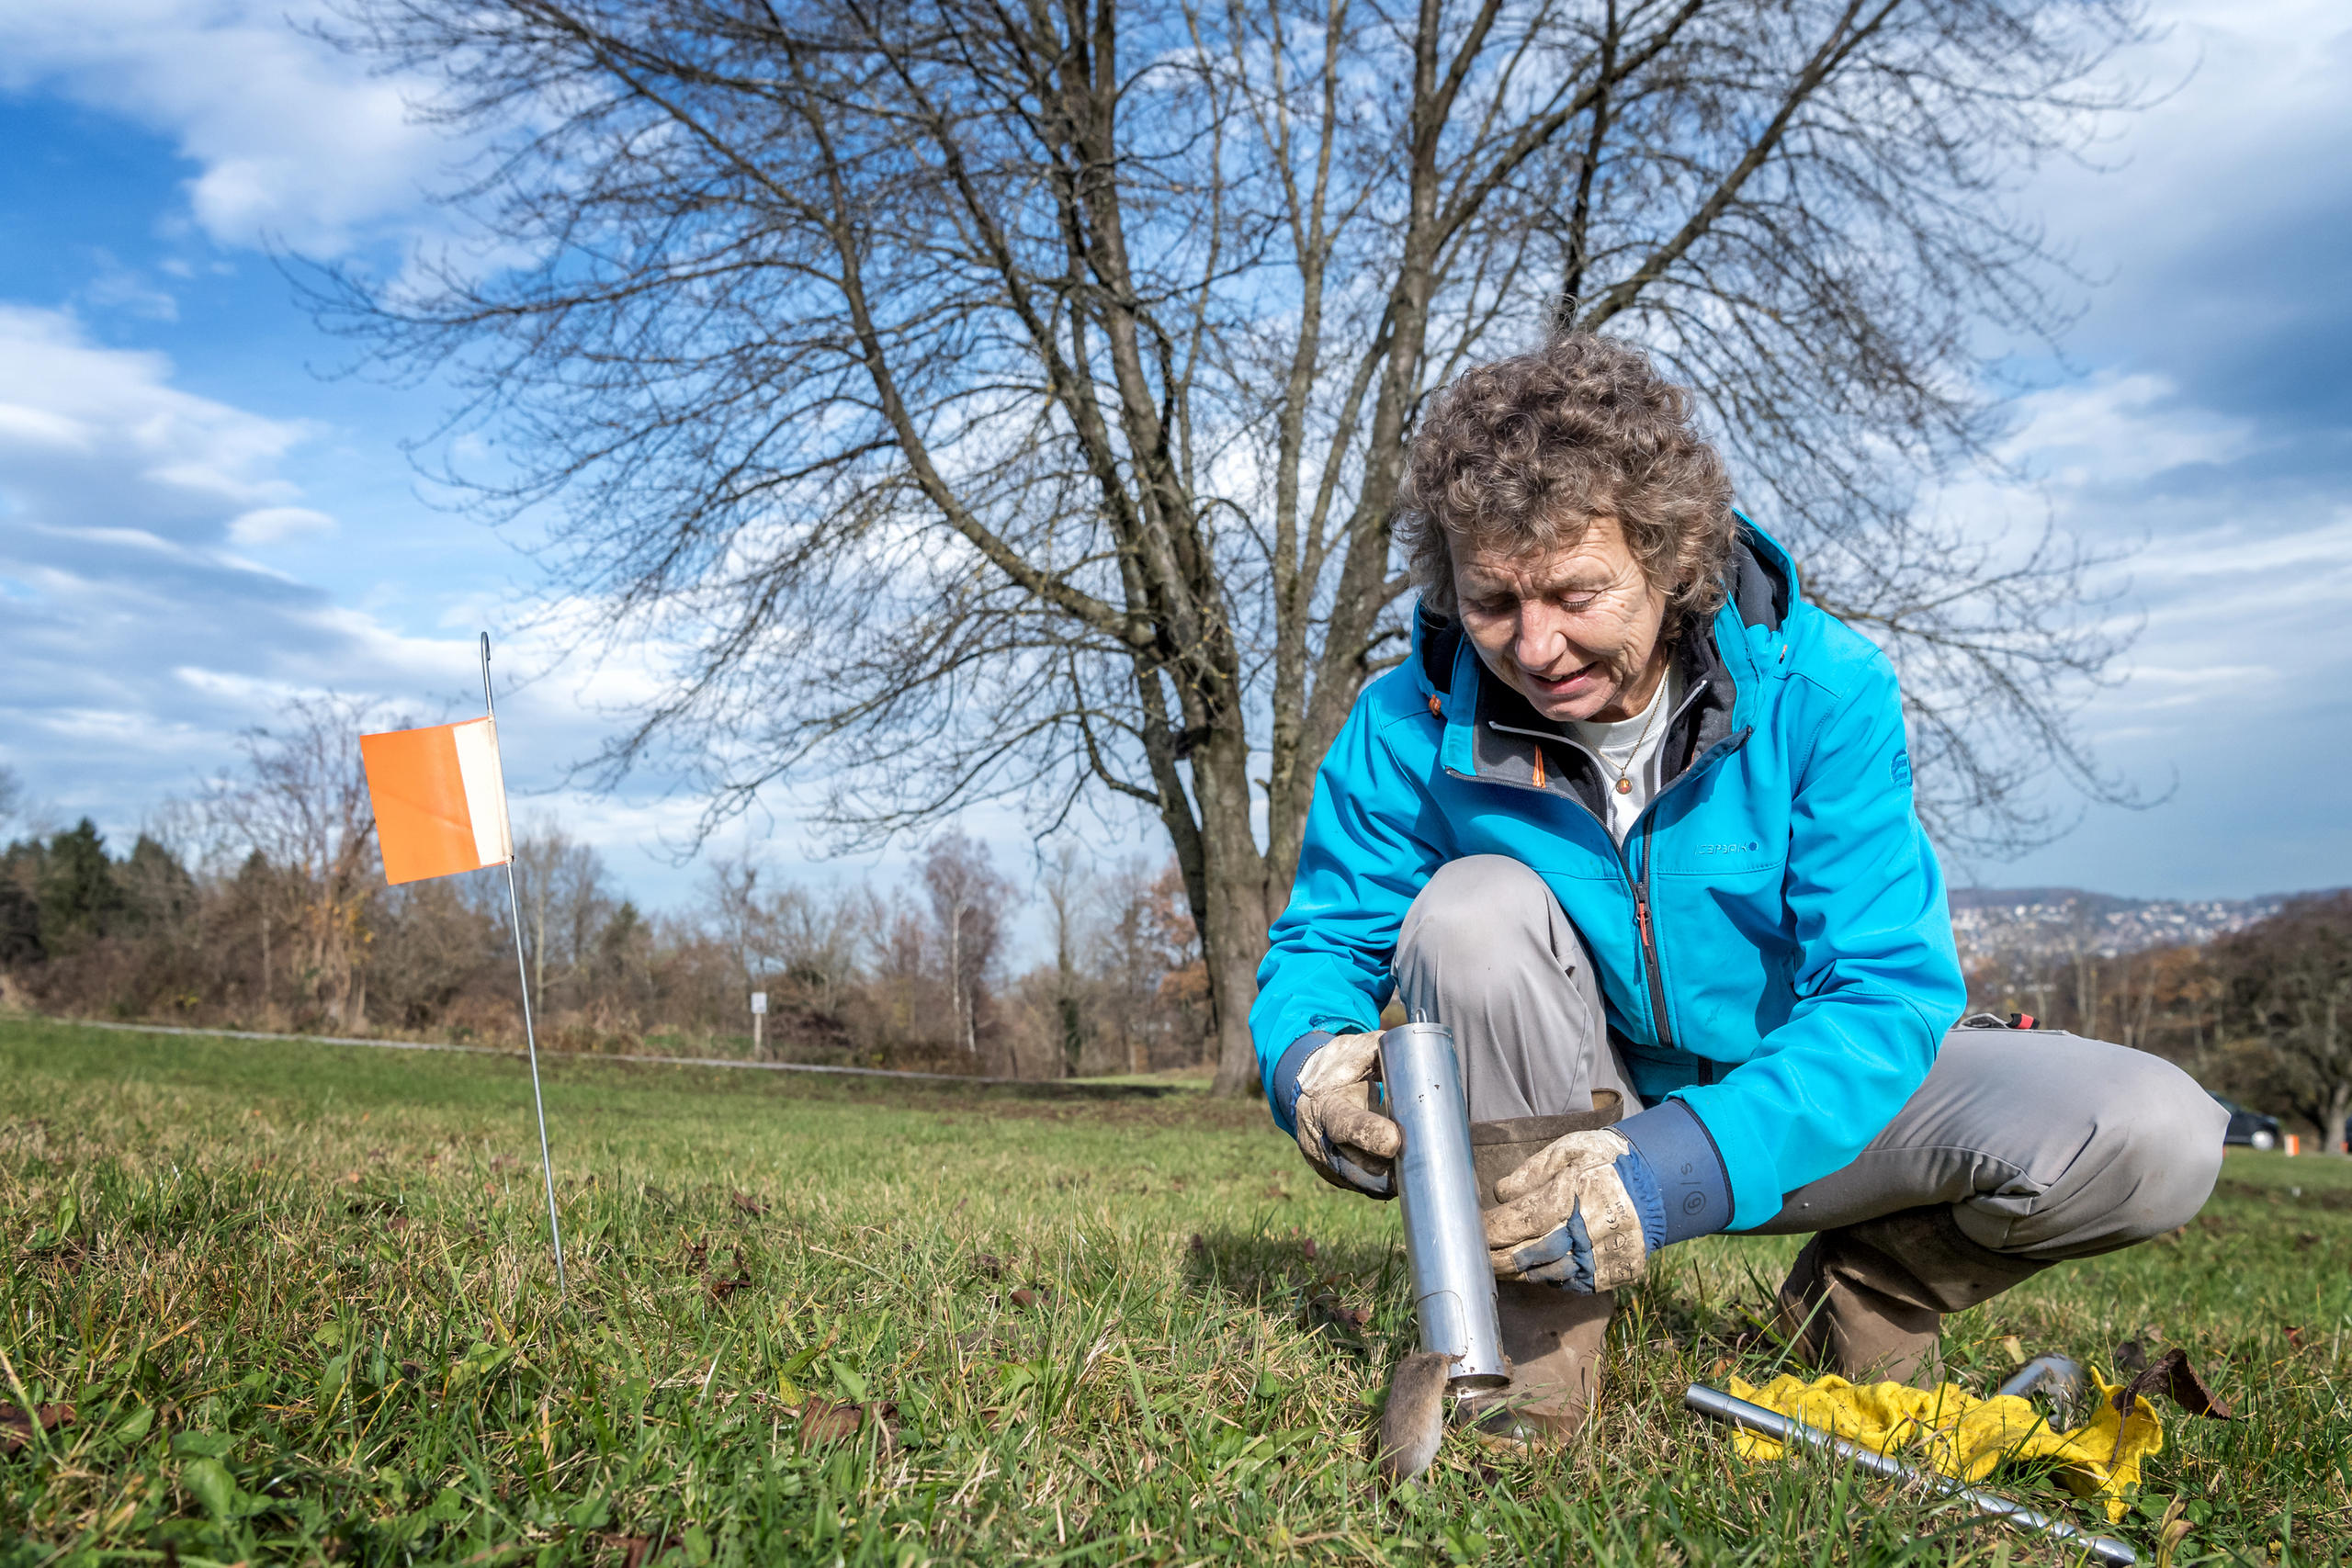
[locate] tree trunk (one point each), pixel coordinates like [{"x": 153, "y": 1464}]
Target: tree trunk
[{"x": 1233, "y": 934}]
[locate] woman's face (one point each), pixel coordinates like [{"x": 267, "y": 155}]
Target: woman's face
[{"x": 1575, "y": 630}]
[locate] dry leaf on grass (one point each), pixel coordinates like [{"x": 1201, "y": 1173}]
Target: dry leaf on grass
[
  {"x": 637, "y": 1550},
  {"x": 17, "y": 1428},
  {"x": 834, "y": 1421},
  {"x": 749, "y": 1204},
  {"x": 2172, "y": 1374}
]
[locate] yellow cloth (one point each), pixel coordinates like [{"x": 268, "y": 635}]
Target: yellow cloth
[{"x": 1961, "y": 1435}]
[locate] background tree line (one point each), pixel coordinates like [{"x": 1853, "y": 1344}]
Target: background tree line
[
  {"x": 261, "y": 905},
  {"x": 2263, "y": 1015}
]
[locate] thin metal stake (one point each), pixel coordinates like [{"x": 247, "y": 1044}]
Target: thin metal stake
[
  {"x": 523, "y": 975},
  {"x": 1717, "y": 1406}
]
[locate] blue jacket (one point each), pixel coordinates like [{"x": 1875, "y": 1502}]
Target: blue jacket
[{"x": 1772, "y": 938}]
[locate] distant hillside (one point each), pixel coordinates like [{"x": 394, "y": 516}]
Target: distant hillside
[{"x": 2032, "y": 922}]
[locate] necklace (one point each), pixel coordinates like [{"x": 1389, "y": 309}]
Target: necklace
[{"x": 1649, "y": 721}]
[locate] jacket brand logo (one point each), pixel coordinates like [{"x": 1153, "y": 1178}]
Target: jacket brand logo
[{"x": 1725, "y": 849}]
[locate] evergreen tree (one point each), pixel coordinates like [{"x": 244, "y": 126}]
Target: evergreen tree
[
  {"x": 20, "y": 942},
  {"x": 80, "y": 898},
  {"x": 158, "y": 892}
]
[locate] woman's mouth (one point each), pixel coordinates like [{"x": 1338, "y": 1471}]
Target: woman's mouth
[{"x": 1558, "y": 685}]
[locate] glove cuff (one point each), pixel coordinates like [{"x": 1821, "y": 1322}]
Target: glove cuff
[
  {"x": 1281, "y": 1084},
  {"x": 1684, "y": 1175}
]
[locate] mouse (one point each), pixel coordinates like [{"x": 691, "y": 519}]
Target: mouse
[{"x": 1413, "y": 1425}]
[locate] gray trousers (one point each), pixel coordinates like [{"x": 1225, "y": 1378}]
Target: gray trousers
[{"x": 2044, "y": 1145}]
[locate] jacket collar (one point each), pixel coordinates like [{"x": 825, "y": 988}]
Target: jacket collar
[{"x": 1493, "y": 734}]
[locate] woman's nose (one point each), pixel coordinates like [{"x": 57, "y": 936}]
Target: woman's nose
[{"x": 1539, "y": 635}]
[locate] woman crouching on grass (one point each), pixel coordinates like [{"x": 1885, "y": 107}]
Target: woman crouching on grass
[{"x": 1634, "y": 821}]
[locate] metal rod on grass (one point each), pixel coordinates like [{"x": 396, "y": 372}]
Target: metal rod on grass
[
  {"x": 1717, "y": 1406},
  {"x": 523, "y": 975}
]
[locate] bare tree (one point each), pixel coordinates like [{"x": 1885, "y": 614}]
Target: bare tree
[
  {"x": 2290, "y": 977},
  {"x": 969, "y": 900},
  {"x": 1014, "y": 400},
  {"x": 300, "y": 803},
  {"x": 1064, "y": 884},
  {"x": 559, "y": 885},
  {"x": 13, "y": 806},
  {"x": 817, "y": 938}
]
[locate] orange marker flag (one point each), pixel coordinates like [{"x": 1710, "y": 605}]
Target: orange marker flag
[{"x": 440, "y": 799}]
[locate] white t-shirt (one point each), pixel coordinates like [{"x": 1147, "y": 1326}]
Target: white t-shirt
[{"x": 1631, "y": 746}]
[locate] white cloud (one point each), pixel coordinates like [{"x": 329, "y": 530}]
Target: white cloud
[
  {"x": 292, "y": 139},
  {"x": 25, "y": 426},
  {"x": 138, "y": 643},
  {"x": 2114, "y": 428},
  {"x": 65, "y": 401},
  {"x": 2235, "y": 82},
  {"x": 277, "y": 525},
  {"x": 117, "y": 286}
]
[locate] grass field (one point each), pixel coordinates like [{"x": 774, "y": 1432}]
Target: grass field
[{"x": 299, "y": 1300}]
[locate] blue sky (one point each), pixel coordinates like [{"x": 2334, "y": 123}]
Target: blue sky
[{"x": 195, "y": 523}]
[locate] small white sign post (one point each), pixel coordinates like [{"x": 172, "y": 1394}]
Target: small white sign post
[{"x": 758, "y": 1013}]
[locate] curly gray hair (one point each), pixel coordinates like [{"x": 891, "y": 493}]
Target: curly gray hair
[{"x": 1522, "y": 454}]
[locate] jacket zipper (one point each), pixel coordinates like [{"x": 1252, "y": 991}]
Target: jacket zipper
[
  {"x": 1649, "y": 940},
  {"x": 1653, "y": 971}
]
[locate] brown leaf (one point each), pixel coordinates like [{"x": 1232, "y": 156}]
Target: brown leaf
[
  {"x": 829, "y": 1421},
  {"x": 698, "y": 1254},
  {"x": 16, "y": 1429},
  {"x": 396, "y": 1223},
  {"x": 1024, "y": 1297},
  {"x": 1307, "y": 1246},
  {"x": 988, "y": 1266},
  {"x": 722, "y": 1289},
  {"x": 636, "y": 1550},
  {"x": 2295, "y": 1337},
  {"x": 826, "y": 1421},
  {"x": 2172, "y": 1374},
  {"x": 749, "y": 1204}
]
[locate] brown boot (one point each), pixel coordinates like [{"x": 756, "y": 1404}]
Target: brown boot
[
  {"x": 1866, "y": 1301},
  {"x": 1552, "y": 1339},
  {"x": 1554, "y": 1342}
]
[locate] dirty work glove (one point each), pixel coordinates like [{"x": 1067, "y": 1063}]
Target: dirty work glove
[
  {"x": 1583, "y": 1213},
  {"x": 1349, "y": 1144}
]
